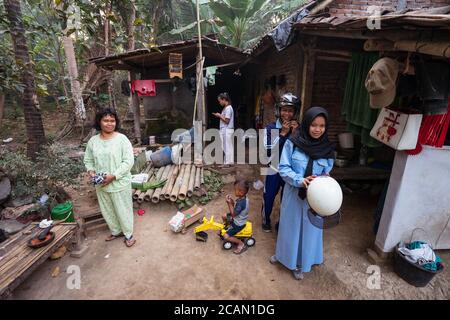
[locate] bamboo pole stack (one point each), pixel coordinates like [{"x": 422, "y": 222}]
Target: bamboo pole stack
[
  {"x": 171, "y": 182},
  {"x": 181, "y": 182},
  {"x": 148, "y": 170},
  {"x": 147, "y": 196},
  {"x": 164, "y": 176},
  {"x": 185, "y": 183},
  {"x": 177, "y": 185}
]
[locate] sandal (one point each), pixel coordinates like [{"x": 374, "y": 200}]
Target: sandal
[
  {"x": 130, "y": 242},
  {"x": 237, "y": 251},
  {"x": 111, "y": 237}
]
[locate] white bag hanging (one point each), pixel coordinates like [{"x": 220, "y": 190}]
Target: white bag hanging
[{"x": 397, "y": 129}]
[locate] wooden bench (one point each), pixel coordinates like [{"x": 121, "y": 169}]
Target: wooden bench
[
  {"x": 89, "y": 220},
  {"x": 18, "y": 261}
]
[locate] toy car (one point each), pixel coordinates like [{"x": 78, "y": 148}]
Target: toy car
[{"x": 245, "y": 234}]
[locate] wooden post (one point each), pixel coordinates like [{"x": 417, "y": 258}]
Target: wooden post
[
  {"x": 201, "y": 94},
  {"x": 309, "y": 63},
  {"x": 136, "y": 112}
]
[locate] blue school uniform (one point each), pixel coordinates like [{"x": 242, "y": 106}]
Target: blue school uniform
[
  {"x": 273, "y": 182},
  {"x": 299, "y": 243}
]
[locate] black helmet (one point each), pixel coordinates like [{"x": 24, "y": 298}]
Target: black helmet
[{"x": 288, "y": 99}]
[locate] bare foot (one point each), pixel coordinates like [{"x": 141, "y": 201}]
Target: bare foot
[{"x": 240, "y": 249}]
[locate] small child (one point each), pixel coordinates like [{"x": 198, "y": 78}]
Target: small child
[{"x": 239, "y": 214}]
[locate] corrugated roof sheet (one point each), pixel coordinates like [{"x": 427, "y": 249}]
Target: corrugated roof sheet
[
  {"x": 425, "y": 18},
  {"x": 215, "y": 53}
]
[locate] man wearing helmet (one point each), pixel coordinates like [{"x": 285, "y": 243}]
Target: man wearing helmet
[{"x": 286, "y": 111}]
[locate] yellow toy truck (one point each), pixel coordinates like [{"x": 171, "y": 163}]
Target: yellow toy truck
[{"x": 245, "y": 234}]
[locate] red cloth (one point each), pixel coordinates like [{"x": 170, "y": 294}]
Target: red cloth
[
  {"x": 433, "y": 131},
  {"x": 146, "y": 88}
]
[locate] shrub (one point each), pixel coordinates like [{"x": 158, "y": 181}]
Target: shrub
[{"x": 52, "y": 169}]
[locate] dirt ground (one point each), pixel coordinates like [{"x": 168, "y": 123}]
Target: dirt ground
[{"x": 165, "y": 265}]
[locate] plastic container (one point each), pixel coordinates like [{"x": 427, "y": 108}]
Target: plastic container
[
  {"x": 412, "y": 273},
  {"x": 63, "y": 211},
  {"x": 162, "y": 157},
  {"x": 346, "y": 140}
]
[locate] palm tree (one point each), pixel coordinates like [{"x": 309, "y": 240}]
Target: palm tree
[{"x": 32, "y": 113}]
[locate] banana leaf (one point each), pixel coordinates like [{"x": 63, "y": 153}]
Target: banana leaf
[{"x": 154, "y": 184}]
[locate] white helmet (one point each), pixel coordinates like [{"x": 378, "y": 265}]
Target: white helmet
[{"x": 324, "y": 196}]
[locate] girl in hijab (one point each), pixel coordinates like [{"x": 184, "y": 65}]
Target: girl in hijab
[{"x": 307, "y": 154}]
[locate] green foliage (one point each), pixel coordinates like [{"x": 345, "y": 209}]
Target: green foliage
[
  {"x": 214, "y": 184},
  {"x": 240, "y": 23},
  {"x": 184, "y": 204},
  {"x": 153, "y": 184},
  {"x": 53, "y": 168}
]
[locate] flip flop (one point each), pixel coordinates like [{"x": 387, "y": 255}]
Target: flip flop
[
  {"x": 244, "y": 248},
  {"x": 130, "y": 242},
  {"x": 112, "y": 237}
]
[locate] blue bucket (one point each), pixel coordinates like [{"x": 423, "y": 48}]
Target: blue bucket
[{"x": 162, "y": 157}]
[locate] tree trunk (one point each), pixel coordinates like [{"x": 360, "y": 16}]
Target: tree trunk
[
  {"x": 107, "y": 45},
  {"x": 155, "y": 20},
  {"x": 32, "y": 112},
  {"x": 2, "y": 107},
  {"x": 130, "y": 47},
  {"x": 80, "y": 111}
]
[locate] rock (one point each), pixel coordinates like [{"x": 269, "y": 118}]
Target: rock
[
  {"x": 14, "y": 213},
  {"x": 80, "y": 252},
  {"x": 5, "y": 189},
  {"x": 56, "y": 272},
  {"x": 11, "y": 226},
  {"x": 18, "y": 202},
  {"x": 59, "y": 253}
]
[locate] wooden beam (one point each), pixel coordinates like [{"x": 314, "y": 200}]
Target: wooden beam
[
  {"x": 337, "y": 59},
  {"x": 334, "y": 52},
  {"x": 136, "y": 112},
  {"x": 309, "y": 65}
]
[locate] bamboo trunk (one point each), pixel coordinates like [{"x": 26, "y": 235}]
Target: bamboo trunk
[
  {"x": 169, "y": 179},
  {"x": 148, "y": 170},
  {"x": 185, "y": 183},
  {"x": 165, "y": 175},
  {"x": 197, "y": 179},
  {"x": 190, "y": 190},
  {"x": 177, "y": 185},
  {"x": 202, "y": 179},
  {"x": 172, "y": 182},
  {"x": 147, "y": 196}
]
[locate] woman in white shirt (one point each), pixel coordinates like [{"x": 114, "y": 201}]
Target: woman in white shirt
[{"x": 226, "y": 127}]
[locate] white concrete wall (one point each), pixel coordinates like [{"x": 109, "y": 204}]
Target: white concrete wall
[{"x": 418, "y": 197}]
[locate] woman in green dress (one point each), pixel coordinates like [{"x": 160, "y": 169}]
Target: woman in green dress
[{"x": 111, "y": 153}]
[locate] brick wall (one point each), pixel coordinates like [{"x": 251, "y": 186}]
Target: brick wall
[
  {"x": 273, "y": 63},
  {"x": 359, "y": 7},
  {"x": 328, "y": 92}
]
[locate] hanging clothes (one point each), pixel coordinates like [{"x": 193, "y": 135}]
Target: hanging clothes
[
  {"x": 211, "y": 75},
  {"x": 360, "y": 117},
  {"x": 146, "y": 88}
]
